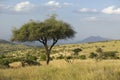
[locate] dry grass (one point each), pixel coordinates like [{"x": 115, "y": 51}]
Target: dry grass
[
  {"x": 60, "y": 70},
  {"x": 78, "y": 70}
]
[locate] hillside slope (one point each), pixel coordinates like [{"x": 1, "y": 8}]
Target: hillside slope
[{"x": 94, "y": 39}]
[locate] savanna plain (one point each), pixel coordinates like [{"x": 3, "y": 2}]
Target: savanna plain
[{"x": 82, "y": 67}]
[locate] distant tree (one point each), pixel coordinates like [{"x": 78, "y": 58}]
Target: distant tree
[
  {"x": 49, "y": 30},
  {"x": 99, "y": 50},
  {"x": 76, "y": 51},
  {"x": 93, "y": 55},
  {"x": 100, "y": 54}
]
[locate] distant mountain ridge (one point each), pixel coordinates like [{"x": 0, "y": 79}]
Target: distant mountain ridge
[
  {"x": 86, "y": 40},
  {"x": 94, "y": 39},
  {"x": 4, "y": 41}
]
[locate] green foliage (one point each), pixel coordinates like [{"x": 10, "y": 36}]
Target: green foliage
[
  {"x": 50, "y": 29},
  {"x": 69, "y": 57},
  {"x": 99, "y": 50},
  {"x": 107, "y": 55},
  {"x": 82, "y": 57},
  {"x": 31, "y": 57},
  {"x": 60, "y": 56},
  {"x": 2, "y": 56},
  {"x": 76, "y": 51},
  {"x": 93, "y": 55},
  {"x": 31, "y": 60},
  {"x": 42, "y": 57},
  {"x": 110, "y": 54},
  {"x": 4, "y": 62}
]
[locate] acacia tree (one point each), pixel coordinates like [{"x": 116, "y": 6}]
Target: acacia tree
[{"x": 49, "y": 30}]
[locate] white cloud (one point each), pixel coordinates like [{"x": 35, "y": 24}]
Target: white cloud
[
  {"x": 2, "y": 6},
  {"x": 23, "y": 6},
  {"x": 91, "y": 19},
  {"x": 53, "y": 3},
  {"x": 87, "y": 10},
  {"x": 111, "y": 10},
  {"x": 67, "y": 4}
]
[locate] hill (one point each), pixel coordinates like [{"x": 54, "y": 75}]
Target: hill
[
  {"x": 4, "y": 41},
  {"x": 94, "y": 39},
  {"x": 7, "y": 47}
]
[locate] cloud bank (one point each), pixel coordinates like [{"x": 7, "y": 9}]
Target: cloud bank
[{"x": 111, "y": 10}]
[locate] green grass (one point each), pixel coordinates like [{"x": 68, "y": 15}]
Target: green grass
[{"x": 60, "y": 70}]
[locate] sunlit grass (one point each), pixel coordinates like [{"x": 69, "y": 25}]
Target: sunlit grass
[{"x": 60, "y": 70}]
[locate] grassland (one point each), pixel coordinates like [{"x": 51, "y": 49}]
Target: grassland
[
  {"x": 87, "y": 69},
  {"x": 60, "y": 70}
]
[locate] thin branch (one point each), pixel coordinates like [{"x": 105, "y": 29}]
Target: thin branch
[
  {"x": 42, "y": 41},
  {"x": 54, "y": 42}
]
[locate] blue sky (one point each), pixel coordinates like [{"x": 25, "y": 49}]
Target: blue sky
[{"x": 88, "y": 17}]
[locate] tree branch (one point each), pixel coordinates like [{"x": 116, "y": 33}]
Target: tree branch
[
  {"x": 54, "y": 42},
  {"x": 41, "y": 41}
]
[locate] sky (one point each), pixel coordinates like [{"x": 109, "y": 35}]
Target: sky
[{"x": 87, "y": 17}]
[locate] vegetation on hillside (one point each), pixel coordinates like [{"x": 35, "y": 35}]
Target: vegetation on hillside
[{"x": 32, "y": 55}]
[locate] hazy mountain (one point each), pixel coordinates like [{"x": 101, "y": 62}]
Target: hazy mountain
[
  {"x": 4, "y": 41},
  {"x": 94, "y": 39}
]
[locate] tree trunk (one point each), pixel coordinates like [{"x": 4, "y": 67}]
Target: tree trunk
[{"x": 47, "y": 57}]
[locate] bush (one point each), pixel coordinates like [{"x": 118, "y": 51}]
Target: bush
[
  {"x": 60, "y": 57},
  {"x": 110, "y": 54},
  {"x": 69, "y": 57},
  {"x": 82, "y": 56},
  {"x": 31, "y": 60},
  {"x": 93, "y": 55},
  {"x": 4, "y": 62},
  {"x": 76, "y": 51},
  {"x": 42, "y": 57},
  {"x": 30, "y": 57},
  {"x": 2, "y": 56},
  {"x": 99, "y": 50}
]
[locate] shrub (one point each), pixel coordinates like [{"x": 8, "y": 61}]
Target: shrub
[
  {"x": 110, "y": 54},
  {"x": 42, "y": 57},
  {"x": 76, "y": 51},
  {"x": 31, "y": 60},
  {"x": 99, "y": 50},
  {"x": 82, "y": 56},
  {"x": 69, "y": 57},
  {"x": 30, "y": 57},
  {"x": 2, "y": 56},
  {"x": 93, "y": 55},
  {"x": 60, "y": 56},
  {"x": 4, "y": 62}
]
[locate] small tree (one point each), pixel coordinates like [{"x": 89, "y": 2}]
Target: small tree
[
  {"x": 76, "y": 51},
  {"x": 49, "y": 30},
  {"x": 93, "y": 55},
  {"x": 99, "y": 50},
  {"x": 100, "y": 53}
]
